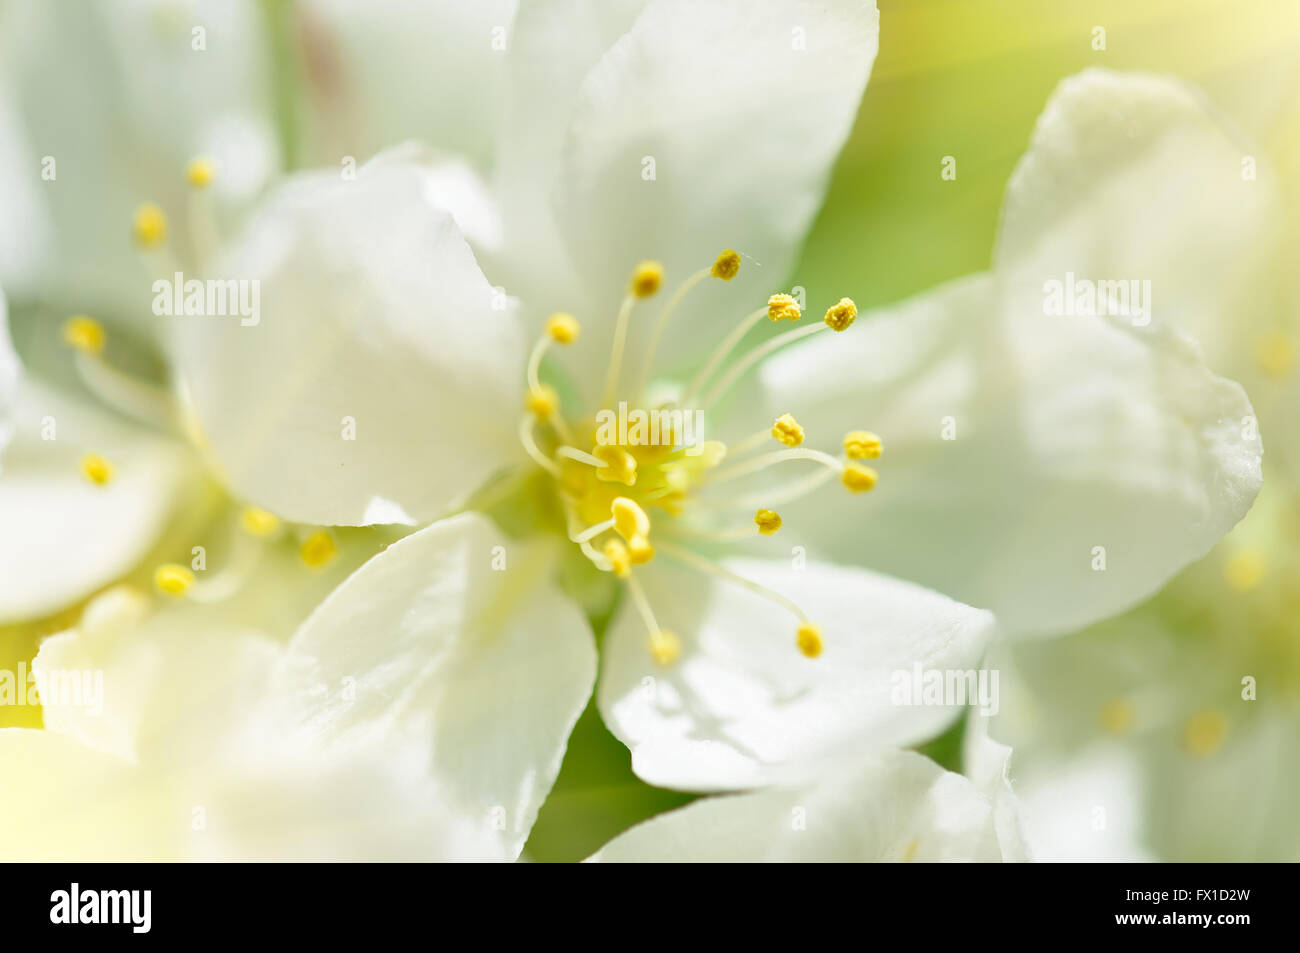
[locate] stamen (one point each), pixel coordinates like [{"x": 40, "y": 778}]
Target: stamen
[
  {"x": 841, "y": 314},
  {"x": 620, "y": 561},
  {"x": 646, "y": 279},
  {"x": 318, "y": 549},
  {"x": 862, "y": 445},
  {"x": 526, "y": 423},
  {"x": 809, "y": 639},
  {"x": 1116, "y": 716},
  {"x": 1205, "y": 732},
  {"x": 727, "y": 265},
  {"x": 149, "y": 226},
  {"x": 542, "y": 402},
  {"x": 857, "y": 478},
  {"x": 629, "y": 519},
  {"x": 573, "y": 453},
  {"x": 97, "y": 469},
  {"x": 665, "y": 647},
  {"x": 723, "y": 350},
  {"x": 173, "y": 579},
  {"x": 713, "y": 569},
  {"x": 620, "y": 466},
  {"x": 85, "y": 334},
  {"x": 200, "y": 172},
  {"x": 135, "y": 398},
  {"x": 787, "y": 494},
  {"x": 563, "y": 328},
  {"x": 786, "y": 430},
  {"x": 591, "y": 532},
  {"x": 783, "y": 307},
  {"x": 772, "y": 459},
  {"x": 661, "y": 325}
]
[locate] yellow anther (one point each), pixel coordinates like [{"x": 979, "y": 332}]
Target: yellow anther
[
  {"x": 640, "y": 550},
  {"x": 665, "y": 647},
  {"x": 727, "y": 265},
  {"x": 620, "y": 466},
  {"x": 646, "y": 279},
  {"x": 1116, "y": 716},
  {"x": 173, "y": 579},
  {"x": 563, "y": 328},
  {"x": 1275, "y": 353},
  {"x": 862, "y": 445},
  {"x": 783, "y": 307},
  {"x": 809, "y": 639},
  {"x": 149, "y": 226},
  {"x": 318, "y": 549},
  {"x": 619, "y": 558},
  {"x": 629, "y": 519},
  {"x": 857, "y": 478},
  {"x": 767, "y": 521},
  {"x": 258, "y": 522},
  {"x": 96, "y": 469},
  {"x": 542, "y": 402},
  {"x": 200, "y": 172},
  {"x": 1205, "y": 732},
  {"x": 786, "y": 430},
  {"x": 1245, "y": 569},
  {"x": 841, "y": 314},
  {"x": 84, "y": 333}
]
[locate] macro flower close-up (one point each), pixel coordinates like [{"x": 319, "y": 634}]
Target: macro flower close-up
[{"x": 647, "y": 431}]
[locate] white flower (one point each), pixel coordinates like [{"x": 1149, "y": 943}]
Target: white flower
[{"x": 401, "y": 302}]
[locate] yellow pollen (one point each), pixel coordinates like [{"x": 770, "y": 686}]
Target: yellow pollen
[
  {"x": 841, "y": 314},
  {"x": 85, "y": 334},
  {"x": 1205, "y": 732},
  {"x": 646, "y": 279},
  {"x": 542, "y": 402},
  {"x": 1116, "y": 716},
  {"x": 258, "y": 522},
  {"x": 173, "y": 579},
  {"x": 783, "y": 307},
  {"x": 619, "y": 558},
  {"x": 318, "y": 549},
  {"x": 665, "y": 647},
  {"x": 786, "y": 430},
  {"x": 809, "y": 639},
  {"x": 1275, "y": 353},
  {"x": 727, "y": 265},
  {"x": 620, "y": 465},
  {"x": 149, "y": 226},
  {"x": 200, "y": 172},
  {"x": 640, "y": 550},
  {"x": 96, "y": 469},
  {"x": 1245, "y": 569},
  {"x": 857, "y": 478},
  {"x": 563, "y": 328},
  {"x": 630, "y": 520},
  {"x": 767, "y": 521},
  {"x": 862, "y": 445}
]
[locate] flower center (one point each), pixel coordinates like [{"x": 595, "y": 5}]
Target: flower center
[{"x": 636, "y": 482}]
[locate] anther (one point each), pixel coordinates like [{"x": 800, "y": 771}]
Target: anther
[
  {"x": 97, "y": 469},
  {"x": 857, "y": 478},
  {"x": 665, "y": 647},
  {"x": 173, "y": 579},
  {"x": 85, "y": 334},
  {"x": 841, "y": 314},
  {"x": 629, "y": 519},
  {"x": 542, "y": 401},
  {"x": 783, "y": 307},
  {"x": 318, "y": 549},
  {"x": 258, "y": 522},
  {"x": 200, "y": 172},
  {"x": 786, "y": 430},
  {"x": 862, "y": 445},
  {"x": 619, "y": 558},
  {"x": 727, "y": 265},
  {"x": 620, "y": 466},
  {"x": 767, "y": 521},
  {"x": 563, "y": 328},
  {"x": 149, "y": 226},
  {"x": 809, "y": 639},
  {"x": 646, "y": 279}
]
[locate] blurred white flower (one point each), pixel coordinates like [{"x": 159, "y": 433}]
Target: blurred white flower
[{"x": 646, "y": 149}]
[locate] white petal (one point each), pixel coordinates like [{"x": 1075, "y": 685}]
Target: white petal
[
  {"x": 64, "y": 537},
  {"x": 742, "y": 107},
  {"x": 1133, "y": 176},
  {"x": 742, "y": 707},
  {"x": 1067, "y": 434},
  {"x": 374, "y": 315},
  {"x": 10, "y": 374},
  {"x": 884, "y": 806},
  {"x": 488, "y": 667}
]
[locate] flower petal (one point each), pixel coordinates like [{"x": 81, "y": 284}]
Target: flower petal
[
  {"x": 1055, "y": 470},
  {"x": 883, "y": 806},
  {"x": 742, "y": 707},
  {"x": 705, "y": 127},
  {"x": 489, "y": 667},
  {"x": 65, "y": 536},
  {"x": 10, "y": 375},
  {"x": 379, "y": 367}
]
